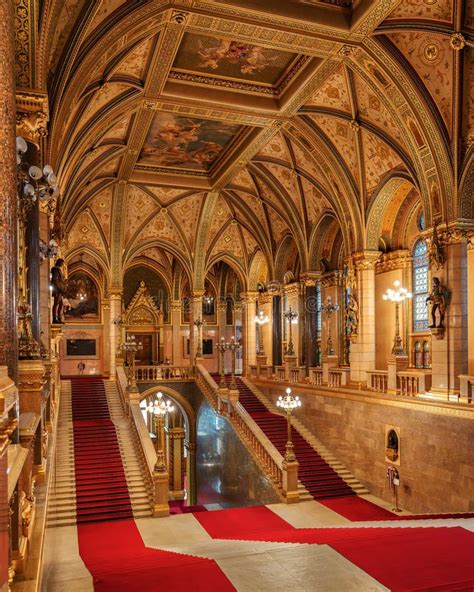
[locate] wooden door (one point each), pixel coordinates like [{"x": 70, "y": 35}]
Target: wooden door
[{"x": 145, "y": 355}]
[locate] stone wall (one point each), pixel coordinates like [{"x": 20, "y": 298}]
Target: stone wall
[{"x": 436, "y": 450}]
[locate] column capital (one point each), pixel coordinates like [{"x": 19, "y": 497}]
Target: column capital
[
  {"x": 332, "y": 278},
  {"x": 115, "y": 293},
  {"x": 293, "y": 289},
  {"x": 400, "y": 259},
  {"x": 365, "y": 259},
  {"x": 310, "y": 278},
  {"x": 249, "y": 297}
]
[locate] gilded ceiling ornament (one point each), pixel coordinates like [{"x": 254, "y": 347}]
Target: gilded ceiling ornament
[
  {"x": 354, "y": 125},
  {"x": 457, "y": 41}
]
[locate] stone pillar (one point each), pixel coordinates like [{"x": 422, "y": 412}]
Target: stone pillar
[
  {"x": 449, "y": 350},
  {"x": 107, "y": 345},
  {"x": 115, "y": 312},
  {"x": 249, "y": 352},
  {"x": 470, "y": 305},
  {"x": 8, "y": 200},
  {"x": 239, "y": 321},
  {"x": 264, "y": 332},
  {"x": 276, "y": 327},
  {"x": 221, "y": 319},
  {"x": 293, "y": 300},
  {"x": 330, "y": 288},
  {"x": 195, "y": 334},
  {"x": 176, "y": 331},
  {"x": 362, "y": 354},
  {"x": 176, "y": 460},
  {"x": 310, "y": 305},
  {"x": 191, "y": 472}
]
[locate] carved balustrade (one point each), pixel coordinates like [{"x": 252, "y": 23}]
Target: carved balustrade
[
  {"x": 377, "y": 380},
  {"x": 163, "y": 373}
]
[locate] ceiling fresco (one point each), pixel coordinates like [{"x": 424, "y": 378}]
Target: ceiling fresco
[
  {"x": 231, "y": 59},
  {"x": 175, "y": 141}
]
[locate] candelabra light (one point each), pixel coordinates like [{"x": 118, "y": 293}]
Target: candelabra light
[
  {"x": 328, "y": 309},
  {"x": 159, "y": 409},
  {"x": 33, "y": 183},
  {"x": 130, "y": 347},
  {"x": 289, "y": 403},
  {"x": 261, "y": 319},
  {"x": 397, "y": 296},
  {"x": 198, "y": 323},
  {"x": 291, "y": 316}
]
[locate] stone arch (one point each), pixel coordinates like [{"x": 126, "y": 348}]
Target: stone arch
[
  {"x": 466, "y": 192},
  {"x": 317, "y": 239},
  {"x": 379, "y": 206},
  {"x": 258, "y": 271},
  {"x": 281, "y": 259},
  {"x": 184, "y": 405},
  {"x": 233, "y": 263}
]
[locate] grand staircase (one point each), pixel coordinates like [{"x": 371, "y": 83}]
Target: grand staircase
[
  {"x": 321, "y": 475},
  {"x": 97, "y": 473}
]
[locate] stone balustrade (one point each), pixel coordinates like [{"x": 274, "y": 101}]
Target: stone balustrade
[
  {"x": 163, "y": 373},
  {"x": 316, "y": 376},
  {"x": 338, "y": 377},
  {"x": 268, "y": 457},
  {"x": 377, "y": 380},
  {"x": 467, "y": 384},
  {"x": 413, "y": 382}
]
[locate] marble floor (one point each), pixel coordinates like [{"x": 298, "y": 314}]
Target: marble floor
[{"x": 251, "y": 566}]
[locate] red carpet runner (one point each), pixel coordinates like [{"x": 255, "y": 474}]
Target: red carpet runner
[
  {"x": 405, "y": 559},
  {"x": 101, "y": 487},
  {"x": 314, "y": 472},
  {"x": 110, "y": 546}
]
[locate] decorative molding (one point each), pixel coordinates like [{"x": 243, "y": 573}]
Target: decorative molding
[{"x": 400, "y": 259}]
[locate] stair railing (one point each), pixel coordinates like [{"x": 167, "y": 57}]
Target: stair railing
[
  {"x": 141, "y": 437},
  {"x": 164, "y": 372},
  {"x": 267, "y": 456}
]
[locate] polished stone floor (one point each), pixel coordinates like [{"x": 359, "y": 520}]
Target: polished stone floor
[{"x": 251, "y": 566}]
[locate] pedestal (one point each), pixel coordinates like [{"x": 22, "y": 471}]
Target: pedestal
[
  {"x": 327, "y": 363},
  {"x": 395, "y": 364},
  {"x": 161, "y": 507},
  {"x": 261, "y": 360},
  {"x": 290, "y": 482},
  {"x": 290, "y": 362}
]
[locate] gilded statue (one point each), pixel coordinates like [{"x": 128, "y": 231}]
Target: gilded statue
[
  {"x": 352, "y": 315},
  {"x": 438, "y": 301}
]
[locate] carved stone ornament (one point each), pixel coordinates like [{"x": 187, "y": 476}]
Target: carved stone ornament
[{"x": 436, "y": 250}]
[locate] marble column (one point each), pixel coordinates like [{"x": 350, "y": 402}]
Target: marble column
[
  {"x": 176, "y": 331},
  {"x": 265, "y": 301},
  {"x": 176, "y": 461},
  {"x": 107, "y": 346},
  {"x": 8, "y": 198},
  {"x": 195, "y": 334},
  {"x": 449, "y": 350},
  {"x": 293, "y": 300},
  {"x": 310, "y": 304},
  {"x": 249, "y": 352},
  {"x": 115, "y": 330},
  {"x": 276, "y": 327},
  {"x": 470, "y": 305},
  {"x": 362, "y": 354}
]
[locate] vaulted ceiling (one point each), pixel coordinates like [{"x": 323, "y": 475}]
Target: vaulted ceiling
[{"x": 212, "y": 130}]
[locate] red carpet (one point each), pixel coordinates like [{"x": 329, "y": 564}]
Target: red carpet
[
  {"x": 314, "y": 472},
  {"x": 119, "y": 561},
  {"x": 402, "y": 559},
  {"x": 114, "y": 552},
  {"x": 101, "y": 486},
  {"x": 357, "y": 509}
]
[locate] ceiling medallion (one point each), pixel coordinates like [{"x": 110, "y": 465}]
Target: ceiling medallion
[
  {"x": 432, "y": 53},
  {"x": 430, "y": 2}
]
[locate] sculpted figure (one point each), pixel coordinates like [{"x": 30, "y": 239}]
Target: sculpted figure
[
  {"x": 59, "y": 290},
  {"x": 352, "y": 315},
  {"x": 438, "y": 303}
]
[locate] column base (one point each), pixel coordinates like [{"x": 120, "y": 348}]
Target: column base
[
  {"x": 328, "y": 361},
  {"x": 261, "y": 360},
  {"x": 161, "y": 483},
  {"x": 395, "y": 364}
]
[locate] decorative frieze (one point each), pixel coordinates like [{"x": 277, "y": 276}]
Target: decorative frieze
[{"x": 395, "y": 260}]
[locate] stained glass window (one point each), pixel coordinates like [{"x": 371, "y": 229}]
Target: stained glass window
[
  {"x": 420, "y": 286},
  {"x": 318, "y": 309}
]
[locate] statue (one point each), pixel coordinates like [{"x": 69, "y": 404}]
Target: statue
[
  {"x": 438, "y": 302},
  {"x": 59, "y": 286},
  {"x": 352, "y": 316}
]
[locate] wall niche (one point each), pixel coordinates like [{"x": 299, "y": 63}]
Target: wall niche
[{"x": 392, "y": 444}]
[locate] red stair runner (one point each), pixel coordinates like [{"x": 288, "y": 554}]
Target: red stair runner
[
  {"x": 101, "y": 487},
  {"x": 314, "y": 472}
]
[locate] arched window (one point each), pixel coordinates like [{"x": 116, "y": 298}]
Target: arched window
[
  {"x": 318, "y": 309},
  {"x": 420, "y": 286}
]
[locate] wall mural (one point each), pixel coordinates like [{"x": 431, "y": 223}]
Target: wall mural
[
  {"x": 232, "y": 59},
  {"x": 82, "y": 302},
  {"x": 175, "y": 141}
]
